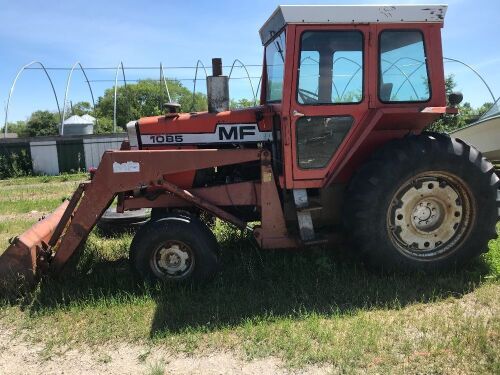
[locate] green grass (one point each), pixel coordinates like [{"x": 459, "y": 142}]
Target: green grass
[
  {"x": 43, "y": 179},
  {"x": 11, "y": 228},
  {"x": 316, "y": 306}
]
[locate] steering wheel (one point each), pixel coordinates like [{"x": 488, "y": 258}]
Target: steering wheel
[{"x": 308, "y": 97}]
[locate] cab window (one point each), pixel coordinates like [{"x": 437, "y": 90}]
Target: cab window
[
  {"x": 319, "y": 137},
  {"x": 330, "y": 67},
  {"x": 275, "y": 67},
  {"x": 403, "y": 67}
]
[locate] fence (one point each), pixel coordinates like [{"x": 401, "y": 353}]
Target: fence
[{"x": 54, "y": 155}]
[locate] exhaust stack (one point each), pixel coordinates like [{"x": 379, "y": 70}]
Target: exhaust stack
[{"x": 217, "y": 89}]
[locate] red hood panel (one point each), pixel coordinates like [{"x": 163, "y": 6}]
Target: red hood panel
[{"x": 204, "y": 122}]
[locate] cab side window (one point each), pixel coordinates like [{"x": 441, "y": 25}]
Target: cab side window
[
  {"x": 403, "y": 73},
  {"x": 330, "y": 67}
]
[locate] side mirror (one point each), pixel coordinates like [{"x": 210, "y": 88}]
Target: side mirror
[{"x": 455, "y": 98}]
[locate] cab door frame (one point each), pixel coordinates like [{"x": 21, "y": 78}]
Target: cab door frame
[{"x": 296, "y": 177}]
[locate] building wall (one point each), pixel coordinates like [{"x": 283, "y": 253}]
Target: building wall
[
  {"x": 55, "y": 155},
  {"x": 44, "y": 157},
  {"x": 94, "y": 148}
]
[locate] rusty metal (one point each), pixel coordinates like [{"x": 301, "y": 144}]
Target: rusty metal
[
  {"x": 204, "y": 204},
  {"x": 19, "y": 263},
  {"x": 75, "y": 198},
  {"x": 216, "y": 66},
  {"x": 121, "y": 171},
  {"x": 217, "y": 89},
  {"x": 272, "y": 233},
  {"x": 238, "y": 194}
]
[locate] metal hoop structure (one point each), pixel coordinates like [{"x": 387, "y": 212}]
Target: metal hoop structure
[
  {"x": 14, "y": 85},
  {"x": 198, "y": 63},
  {"x": 475, "y": 72},
  {"x": 116, "y": 91},
  {"x": 248, "y": 76},
  {"x": 68, "y": 82}
]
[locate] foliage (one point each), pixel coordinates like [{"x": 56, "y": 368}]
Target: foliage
[
  {"x": 466, "y": 115},
  {"x": 18, "y": 127},
  {"x": 16, "y": 164},
  {"x": 103, "y": 125},
  {"x": 81, "y": 108},
  {"x": 241, "y": 103},
  {"x": 42, "y": 123},
  {"x": 146, "y": 98}
]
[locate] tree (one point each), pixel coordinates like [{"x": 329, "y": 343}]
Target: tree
[
  {"x": 81, "y": 108},
  {"x": 146, "y": 98},
  {"x": 42, "y": 123},
  {"x": 103, "y": 125},
  {"x": 466, "y": 114},
  {"x": 18, "y": 127},
  {"x": 242, "y": 103}
]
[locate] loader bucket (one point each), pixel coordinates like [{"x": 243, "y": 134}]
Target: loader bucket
[{"x": 20, "y": 263}]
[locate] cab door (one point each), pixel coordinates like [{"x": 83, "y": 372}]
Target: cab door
[{"x": 328, "y": 96}]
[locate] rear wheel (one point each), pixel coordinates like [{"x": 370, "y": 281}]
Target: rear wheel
[
  {"x": 423, "y": 202},
  {"x": 175, "y": 248}
]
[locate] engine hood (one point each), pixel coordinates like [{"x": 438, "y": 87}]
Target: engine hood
[{"x": 236, "y": 126}]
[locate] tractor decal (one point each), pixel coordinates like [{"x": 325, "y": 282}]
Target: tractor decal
[{"x": 229, "y": 133}]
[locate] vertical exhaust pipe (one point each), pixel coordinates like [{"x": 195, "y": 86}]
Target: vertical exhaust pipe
[{"x": 217, "y": 89}]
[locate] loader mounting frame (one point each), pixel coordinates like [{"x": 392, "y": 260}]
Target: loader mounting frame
[{"x": 53, "y": 241}]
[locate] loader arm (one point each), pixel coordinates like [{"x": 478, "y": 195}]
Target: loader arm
[{"x": 51, "y": 242}]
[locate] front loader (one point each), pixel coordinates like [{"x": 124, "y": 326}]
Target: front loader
[{"x": 336, "y": 145}]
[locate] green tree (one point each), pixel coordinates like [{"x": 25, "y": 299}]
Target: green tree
[
  {"x": 18, "y": 127},
  {"x": 241, "y": 103},
  {"x": 42, "y": 123},
  {"x": 146, "y": 98},
  {"x": 466, "y": 113},
  {"x": 81, "y": 108},
  {"x": 103, "y": 125}
]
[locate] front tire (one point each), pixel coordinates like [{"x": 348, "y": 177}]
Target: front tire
[
  {"x": 424, "y": 202},
  {"x": 175, "y": 248}
]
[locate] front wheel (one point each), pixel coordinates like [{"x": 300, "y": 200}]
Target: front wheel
[
  {"x": 175, "y": 248},
  {"x": 423, "y": 202}
]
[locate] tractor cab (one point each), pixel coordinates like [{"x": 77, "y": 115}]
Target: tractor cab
[{"x": 345, "y": 76}]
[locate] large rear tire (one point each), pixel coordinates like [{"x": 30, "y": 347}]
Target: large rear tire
[
  {"x": 175, "y": 248},
  {"x": 423, "y": 202}
]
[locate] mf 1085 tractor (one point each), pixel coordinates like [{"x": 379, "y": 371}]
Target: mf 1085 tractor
[{"x": 336, "y": 144}]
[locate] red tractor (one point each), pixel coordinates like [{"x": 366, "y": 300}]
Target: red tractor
[{"x": 336, "y": 144}]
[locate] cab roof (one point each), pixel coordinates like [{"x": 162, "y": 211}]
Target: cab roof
[{"x": 342, "y": 14}]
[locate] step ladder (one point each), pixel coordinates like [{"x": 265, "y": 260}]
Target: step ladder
[{"x": 304, "y": 208}]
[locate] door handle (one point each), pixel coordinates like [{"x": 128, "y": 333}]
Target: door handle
[{"x": 295, "y": 113}]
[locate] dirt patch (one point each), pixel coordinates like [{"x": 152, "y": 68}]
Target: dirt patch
[
  {"x": 21, "y": 357},
  {"x": 32, "y": 215}
]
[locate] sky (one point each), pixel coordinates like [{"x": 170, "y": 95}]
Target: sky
[{"x": 179, "y": 33}]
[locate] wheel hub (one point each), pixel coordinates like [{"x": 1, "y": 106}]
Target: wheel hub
[
  {"x": 426, "y": 215},
  {"x": 173, "y": 259},
  {"x": 429, "y": 215}
]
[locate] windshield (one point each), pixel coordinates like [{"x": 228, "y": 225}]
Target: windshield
[
  {"x": 493, "y": 111},
  {"x": 275, "y": 65}
]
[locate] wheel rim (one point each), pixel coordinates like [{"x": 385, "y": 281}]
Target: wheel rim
[
  {"x": 172, "y": 260},
  {"x": 430, "y": 215}
]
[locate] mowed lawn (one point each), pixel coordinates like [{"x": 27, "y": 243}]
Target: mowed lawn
[{"x": 317, "y": 306}]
